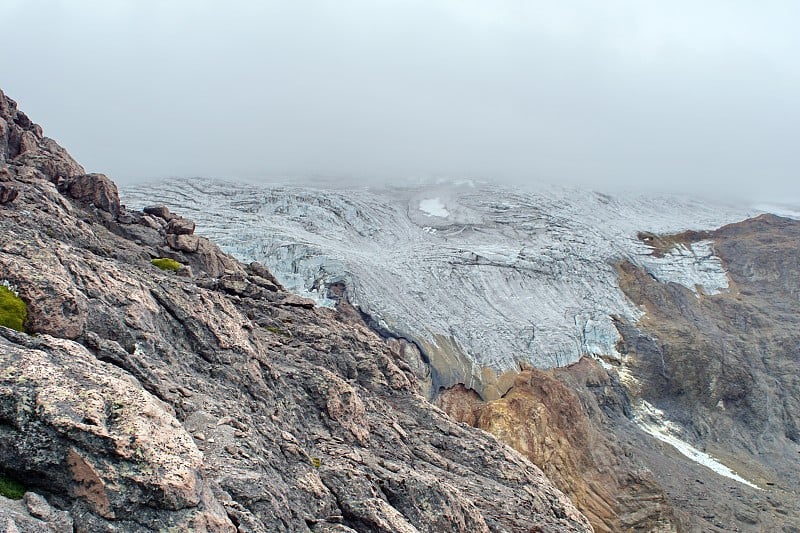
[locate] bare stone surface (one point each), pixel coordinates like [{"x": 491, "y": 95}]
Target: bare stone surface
[
  {"x": 180, "y": 226},
  {"x": 7, "y": 194},
  {"x": 183, "y": 242},
  {"x": 293, "y": 300},
  {"x": 566, "y": 435},
  {"x": 160, "y": 211},
  {"x": 155, "y": 402},
  {"x": 94, "y": 189}
]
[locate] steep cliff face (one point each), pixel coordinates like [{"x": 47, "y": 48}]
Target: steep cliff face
[
  {"x": 720, "y": 372},
  {"x": 210, "y": 399},
  {"x": 562, "y": 420}
]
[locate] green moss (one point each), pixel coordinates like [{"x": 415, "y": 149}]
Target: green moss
[
  {"x": 165, "y": 263},
  {"x": 278, "y": 331},
  {"x": 13, "y": 311},
  {"x": 316, "y": 462},
  {"x": 11, "y": 488}
]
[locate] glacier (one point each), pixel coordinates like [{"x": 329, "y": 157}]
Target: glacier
[{"x": 483, "y": 278}]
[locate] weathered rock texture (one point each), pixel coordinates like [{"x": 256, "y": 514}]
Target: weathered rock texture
[
  {"x": 147, "y": 401},
  {"x": 724, "y": 369},
  {"x": 554, "y": 419}
]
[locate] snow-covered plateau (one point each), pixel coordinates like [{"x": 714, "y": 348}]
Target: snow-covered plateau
[{"x": 483, "y": 278}]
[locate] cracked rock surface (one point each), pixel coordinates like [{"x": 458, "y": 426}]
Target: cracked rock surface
[{"x": 143, "y": 400}]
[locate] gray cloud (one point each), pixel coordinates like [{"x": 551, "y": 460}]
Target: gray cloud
[{"x": 612, "y": 95}]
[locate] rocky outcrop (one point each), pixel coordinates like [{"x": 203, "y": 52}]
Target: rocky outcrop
[
  {"x": 722, "y": 369},
  {"x": 218, "y": 402},
  {"x": 7, "y": 194},
  {"x": 86, "y": 430},
  {"x": 32, "y": 515},
  {"x": 93, "y": 189},
  {"x": 23, "y": 145},
  {"x": 552, "y": 418},
  {"x": 160, "y": 211}
]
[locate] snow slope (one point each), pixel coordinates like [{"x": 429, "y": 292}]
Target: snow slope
[
  {"x": 654, "y": 422},
  {"x": 478, "y": 275}
]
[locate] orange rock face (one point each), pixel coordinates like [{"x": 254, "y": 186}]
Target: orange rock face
[{"x": 545, "y": 420}]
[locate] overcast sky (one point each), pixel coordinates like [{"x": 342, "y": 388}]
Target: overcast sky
[{"x": 612, "y": 94}]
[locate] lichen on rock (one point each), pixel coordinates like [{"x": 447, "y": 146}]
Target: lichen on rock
[{"x": 13, "y": 310}]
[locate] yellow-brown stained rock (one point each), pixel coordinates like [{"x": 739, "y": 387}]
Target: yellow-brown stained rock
[{"x": 88, "y": 485}]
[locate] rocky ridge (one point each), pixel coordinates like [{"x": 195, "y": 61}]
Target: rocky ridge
[
  {"x": 211, "y": 399},
  {"x": 719, "y": 371}
]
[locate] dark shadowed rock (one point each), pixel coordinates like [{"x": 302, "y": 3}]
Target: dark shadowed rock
[{"x": 7, "y": 194}]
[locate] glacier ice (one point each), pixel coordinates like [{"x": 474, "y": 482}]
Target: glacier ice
[{"x": 478, "y": 275}]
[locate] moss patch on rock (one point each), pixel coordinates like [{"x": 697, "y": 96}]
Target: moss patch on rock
[
  {"x": 165, "y": 263},
  {"x": 11, "y": 488},
  {"x": 13, "y": 310}
]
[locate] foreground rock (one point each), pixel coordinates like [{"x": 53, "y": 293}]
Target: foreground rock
[{"x": 218, "y": 402}]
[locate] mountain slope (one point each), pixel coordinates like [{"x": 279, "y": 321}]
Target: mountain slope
[
  {"x": 682, "y": 414},
  {"x": 210, "y": 399}
]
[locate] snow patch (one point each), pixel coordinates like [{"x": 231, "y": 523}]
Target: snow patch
[
  {"x": 653, "y": 422},
  {"x": 433, "y": 207}
]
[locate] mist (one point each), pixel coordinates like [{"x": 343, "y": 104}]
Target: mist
[{"x": 616, "y": 95}]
